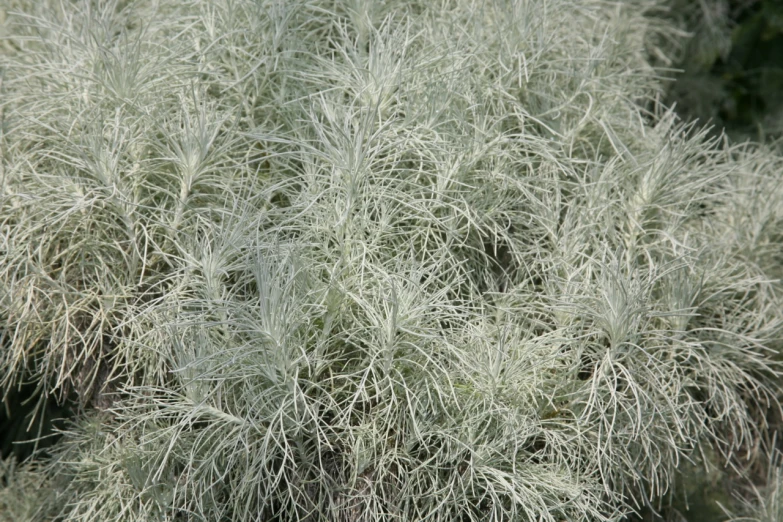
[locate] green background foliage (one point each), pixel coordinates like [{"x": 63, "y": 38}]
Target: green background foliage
[{"x": 732, "y": 67}]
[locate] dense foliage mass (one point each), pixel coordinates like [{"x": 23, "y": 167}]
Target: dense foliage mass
[{"x": 352, "y": 260}]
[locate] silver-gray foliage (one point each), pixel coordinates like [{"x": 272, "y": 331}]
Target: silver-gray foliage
[{"x": 354, "y": 260}]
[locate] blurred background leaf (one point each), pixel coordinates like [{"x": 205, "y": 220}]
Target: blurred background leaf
[{"x": 732, "y": 67}]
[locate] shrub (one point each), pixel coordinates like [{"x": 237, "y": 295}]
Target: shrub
[{"x": 347, "y": 260}]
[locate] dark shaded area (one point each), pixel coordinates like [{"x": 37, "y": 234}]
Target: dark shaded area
[
  {"x": 27, "y": 423},
  {"x": 741, "y": 90},
  {"x": 753, "y": 72}
]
